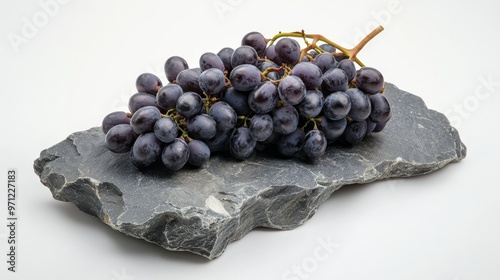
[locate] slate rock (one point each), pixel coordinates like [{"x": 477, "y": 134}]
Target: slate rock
[{"x": 203, "y": 210}]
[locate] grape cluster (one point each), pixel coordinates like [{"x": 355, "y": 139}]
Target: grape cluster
[{"x": 258, "y": 95}]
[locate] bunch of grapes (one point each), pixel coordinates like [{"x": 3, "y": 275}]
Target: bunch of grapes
[{"x": 264, "y": 93}]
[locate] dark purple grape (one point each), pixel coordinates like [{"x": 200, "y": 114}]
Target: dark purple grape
[
  {"x": 120, "y": 138},
  {"x": 211, "y": 60},
  {"x": 244, "y": 55},
  {"x": 175, "y": 155},
  {"x": 139, "y": 100},
  {"x": 224, "y": 115},
  {"x": 236, "y": 99},
  {"x": 312, "y": 104},
  {"x": 148, "y": 83},
  {"x": 220, "y": 142},
  {"x": 334, "y": 79},
  {"x": 255, "y": 40},
  {"x": 349, "y": 68},
  {"x": 314, "y": 145},
  {"x": 379, "y": 127},
  {"x": 285, "y": 120},
  {"x": 369, "y": 80},
  {"x": 225, "y": 55},
  {"x": 173, "y": 66},
  {"x": 146, "y": 150},
  {"x": 263, "y": 98},
  {"x": 202, "y": 127},
  {"x": 114, "y": 118},
  {"x": 309, "y": 73},
  {"x": 292, "y": 90},
  {"x": 188, "y": 80},
  {"x": 167, "y": 96},
  {"x": 370, "y": 126},
  {"x": 288, "y": 50},
  {"x": 337, "y": 105},
  {"x": 325, "y": 61},
  {"x": 332, "y": 129},
  {"x": 199, "y": 153},
  {"x": 360, "y": 105},
  {"x": 166, "y": 129},
  {"x": 273, "y": 75},
  {"x": 241, "y": 143},
  {"x": 289, "y": 145},
  {"x": 261, "y": 127},
  {"x": 245, "y": 77},
  {"x": 144, "y": 119},
  {"x": 271, "y": 55},
  {"x": 354, "y": 132},
  {"x": 189, "y": 104},
  {"x": 327, "y": 48},
  {"x": 212, "y": 81},
  {"x": 381, "y": 109}
]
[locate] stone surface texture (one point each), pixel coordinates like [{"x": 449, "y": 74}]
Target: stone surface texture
[{"x": 203, "y": 210}]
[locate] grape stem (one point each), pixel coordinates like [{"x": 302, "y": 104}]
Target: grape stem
[{"x": 351, "y": 53}]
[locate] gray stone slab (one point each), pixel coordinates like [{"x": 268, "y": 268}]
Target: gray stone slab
[{"x": 203, "y": 210}]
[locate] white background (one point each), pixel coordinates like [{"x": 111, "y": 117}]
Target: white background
[{"x": 79, "y": 61}]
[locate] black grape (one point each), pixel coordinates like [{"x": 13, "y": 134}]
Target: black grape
[
  {"x": 146, "y": 150},
  {"x": 173, "y": 66},
  {"x": 211, "y": 60},
  {"x": 199, "y": 153},
  {"x": 189, "y": 104},
  {"x": 349, "y": 68},
  {"x": 271, "y": 55},
  {"x": 188, "y": 80},
  {"x": 354, "y": 132},
  {"x": 325, "y": 61},
  {"x": 312, "y": 104},
  {"x": 120, "y": 138},
  {"x": 225, "y": 55},
  {"x": 244, "y": 55},
  {"x": 139, "y": 100},
  {"x": 212, "y": 81},
  {"x": 334, "y": 79},
  {"x": 148, "y": 83},
  {"x": 314, "y": 145},
  {"x": 261, "y": 126},
  {"x": 263, "y": 98},
  {"x": 332, "y": 129},
  {"x": 202, "y": 127},
  {"x": 328, "y": 48},
  {"x": 224, "y": 115},
  {"x": 114, "y": 118},
  {"x": 220, "y": 142},
  {"x": 167, "y": 96},
  {"x": 289, "y": 145},
  {"x": 245, "y": 77},
  {"x": 144, "y": 119},
  {"x": 166, "y": 129},
  {"x": 360, "y": 105},
  {"x": 309, "y": 73},
  {"x": 285, "y": 120},
  {"x": 337, "y": 105},
  {"x": 255, "y": 40},
  {"x": 381, "y": 109},
  {"x": 369, "y": 80},
  {"x": 288, "y": 50},
  {"x": 236, "y": 99},
  {"x": 292, "y": 90},
  {"x": 241, "y": 143},
  {"x": 175, "y": 155}
]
